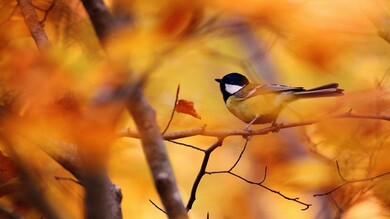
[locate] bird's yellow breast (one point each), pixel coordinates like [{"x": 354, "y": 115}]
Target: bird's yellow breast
[{"x": 266, "y": 107}]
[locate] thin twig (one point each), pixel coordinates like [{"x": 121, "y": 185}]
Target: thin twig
[
  {"x": 239, "y": 156},
  {"x": 346, "y": 182},
  {"x": 46, "y": 11},
  {"x": 202, "y": 172},
  {"x": 173, "y": 110},
  {"x": 272, "y": 190},
  {"x": 186, "y": 145},
  {"x": 158, "y": 207},
  {"x": 260, "y": 183}
]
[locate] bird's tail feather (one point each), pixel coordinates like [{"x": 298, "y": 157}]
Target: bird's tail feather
[{"x": 328, "y": 90}]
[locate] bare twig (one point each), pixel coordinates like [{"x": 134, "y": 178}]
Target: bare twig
[
  {"x": 173, "y": 110},
  {"x": 346, "y": 182},
  {"x": 260, "y": 183},
  {"x": 186, "y": 145},
  {"x": 46, "y": 11},
  {"x": 202, "y": 172},
  {"x": 239, "y": 157},
  {"x": 158, "y": 207},
  {"x": 266, "y": 187},
  {"x": 33, "y": 24}
]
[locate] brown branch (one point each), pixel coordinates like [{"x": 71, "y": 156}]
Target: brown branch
[
  {"x": 156, "y": 154},
  {"x": 173, "y": 110},
  {"x": 102, "y": 198},
  {"x": 202, "y": 172},
  {"x": 101, "y": 18},
  {"x": 263, "y": 131},
  {"x": 33, "y": 24},
  {"x": 346, "y": 182},
  {"x": 260, "y": 183},
  {"x": 144, "y": 117}
]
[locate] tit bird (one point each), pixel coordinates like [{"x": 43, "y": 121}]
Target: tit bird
[{"x": 262, "y": 103}]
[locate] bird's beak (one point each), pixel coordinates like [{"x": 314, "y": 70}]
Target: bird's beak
[{"x": 218, "y": 80}]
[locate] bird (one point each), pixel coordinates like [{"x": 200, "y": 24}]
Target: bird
[{"x": 262, "y": 103}]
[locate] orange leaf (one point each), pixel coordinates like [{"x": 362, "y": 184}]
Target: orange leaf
[{"x": 186, "y": 107}]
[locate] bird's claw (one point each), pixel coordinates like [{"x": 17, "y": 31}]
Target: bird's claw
[
  {"x": 250, "y": 133},
  {"x": 276, "y": 127}
]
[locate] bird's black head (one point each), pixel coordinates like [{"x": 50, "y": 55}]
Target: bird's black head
[{"x": 231, "y": 83}]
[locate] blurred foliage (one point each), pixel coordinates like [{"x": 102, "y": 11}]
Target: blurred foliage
[{"x": 49, "y": 97}]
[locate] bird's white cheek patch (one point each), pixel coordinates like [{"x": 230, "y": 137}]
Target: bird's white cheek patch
[{"x": 231, "y": 88}]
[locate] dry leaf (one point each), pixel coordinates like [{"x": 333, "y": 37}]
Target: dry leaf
[{"x": 186, "y": 107}]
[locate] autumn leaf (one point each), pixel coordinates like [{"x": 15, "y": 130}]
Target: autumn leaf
[{"x": 186, "y": 107}]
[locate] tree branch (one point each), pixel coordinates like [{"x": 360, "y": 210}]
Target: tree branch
[
  {"x": 202, "y": 172},
  {"x": 101, "y": 18},
  {"x": 263, "y": 131},
  {"x": 173, "y": 110},
  {"x": 156, "y": 155},
  {"x": 144, "y": 117},
  {"x": 33, "y": 24},
  {"x": 260, "y": 183},
  {"x": 346, "y": 182}
]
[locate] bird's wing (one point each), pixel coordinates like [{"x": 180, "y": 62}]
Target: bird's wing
[{"x": 252, "y": 90}]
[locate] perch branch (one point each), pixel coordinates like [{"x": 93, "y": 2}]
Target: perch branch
[{"x": 263, "y": 131}]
